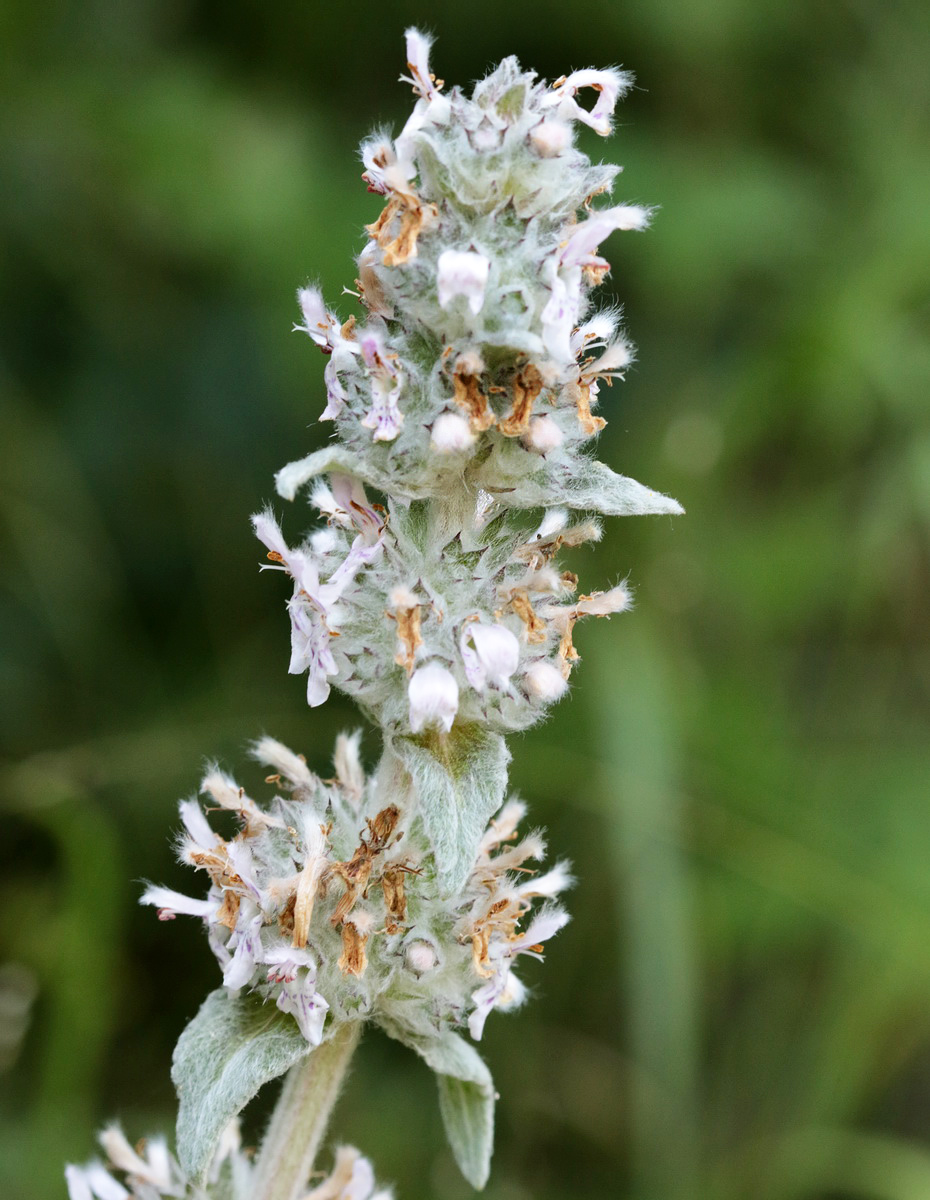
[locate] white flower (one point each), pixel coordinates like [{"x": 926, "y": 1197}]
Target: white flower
[
  {"x": 543, "y": 926},
  {"x": 544, "y": 682},
  {"x": 325, "y": 330},
  {"x": 418, "y": 48},
  {"x": 200, "y": 839},
  {"x": 434, "y": 697},
  {"x": 388, "y": 170},
  {"x": 300, "y": 566},
  {"x": 588, "y": 235},
  {"x": 385, "y": 418},
  {"x": 312, "y": 608},
  {"x": 432, "y": 106},
  {"x": 451, "y": 434},
  {"x": 336, "y": 395},
  {"x": 318, "y": 323},
  {"x": 560, "y": 314},
  {"x": 285, "y": 962},
  {"x": 602, "y": 604},
  {"x": 490, "y": 654},
  {"x": 310, "y": 651},
  {"x": 613, "y": 362},
  {"x": 353, "y": 508},
  {"x": 596, "y": 332},
  {"x": 299, "y": 997},
  {"x": 548, "y": 885},
  {"x": 246, "y": 942},
  {"x": 377, "y": 155},
  {"x": 610, "y": 86},
  {"x": 504, "y": 989},
  {"x": 292, "y": 766},
  {"x": 169, "y": 903},
  {"x": 462, "y": 273}
]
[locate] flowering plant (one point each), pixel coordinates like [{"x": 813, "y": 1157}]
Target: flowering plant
[{"x": 466, "y": 397}]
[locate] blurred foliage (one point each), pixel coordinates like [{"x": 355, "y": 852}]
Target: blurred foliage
[{"x": 741, "y": 1007}]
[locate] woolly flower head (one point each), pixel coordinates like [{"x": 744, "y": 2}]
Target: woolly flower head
[
  {"x": 466, "y": 395},
  {"x": 328, "y": 902},
  {"x": 476, "y": 282},
  {"x": 423, "y": 628}
]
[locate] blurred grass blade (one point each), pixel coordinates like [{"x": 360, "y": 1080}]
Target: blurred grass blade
[{"x": 638, "y": 738}]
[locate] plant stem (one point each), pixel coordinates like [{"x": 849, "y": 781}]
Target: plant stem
[{"x": 301, "y": 1115}]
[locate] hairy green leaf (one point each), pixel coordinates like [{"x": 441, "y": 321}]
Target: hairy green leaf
[
  {"x": 575, "y": 482},
  {"x": 459, "y": 779},
  {"x": 232, "y": 1046}
]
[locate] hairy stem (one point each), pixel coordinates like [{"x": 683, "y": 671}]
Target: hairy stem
[{"x": 301, "y": 1115}]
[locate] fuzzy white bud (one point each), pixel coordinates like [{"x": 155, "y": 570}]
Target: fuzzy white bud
[
  {"x": 434, "y": 697},
  {"x": 490, "y": 654},
  {"x": 420, "y": 957},
  {"x": 543, "y": 435},
  {"x": 451, "y": 434},
  {"x": 544, "y": 682},
  {"x": 551, "y": 138}
]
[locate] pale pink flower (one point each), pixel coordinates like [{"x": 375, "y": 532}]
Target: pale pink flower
[{"x": 610, "y": 86}]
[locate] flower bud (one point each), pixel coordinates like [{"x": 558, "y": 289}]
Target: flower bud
[
  {"x": 551, "y": 138},
  {"x": 451, "y": 434},
  {"x": 420, "y": 957},
  {"x": 543, "y": 435},
  {"x": 490, "y": 654},
  {"x": 434, "y": 698},
  {"x": 544, "y": 682}
]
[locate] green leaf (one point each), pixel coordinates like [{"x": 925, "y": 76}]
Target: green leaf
[
  {"x": 290, "y": 479},
  {"x": 459, "y": 779},
  {"x": 375, "y": 469},
  {"x": 466, "y": 1097},
  {"x": 574, "y": 481},
  {"x": 467, "y": 1107},
  {"x": 233, "y": 1046}
]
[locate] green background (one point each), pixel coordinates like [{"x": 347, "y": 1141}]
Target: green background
[{"x": 741, "y": 1005}]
